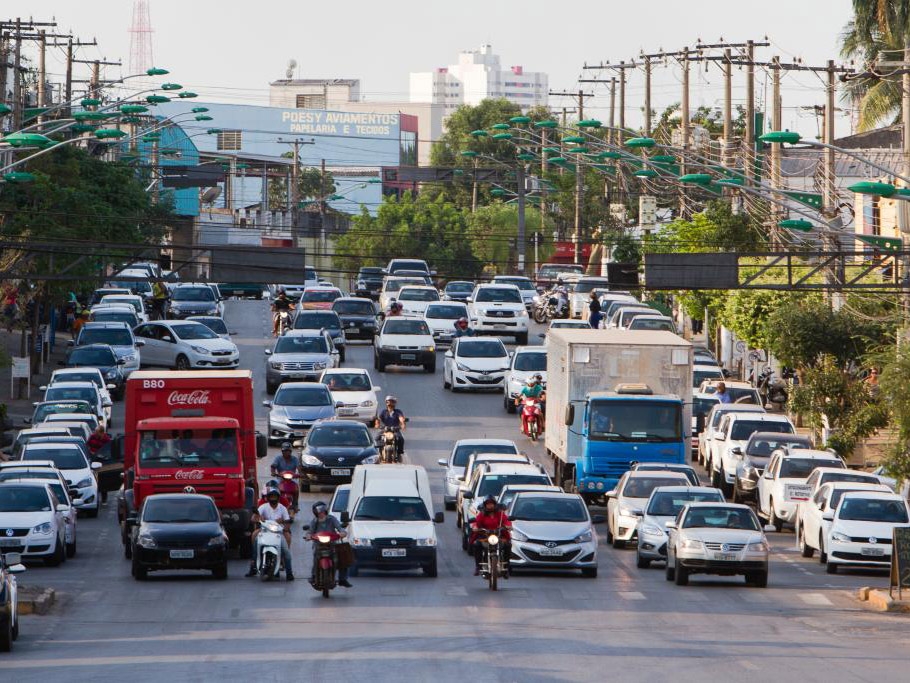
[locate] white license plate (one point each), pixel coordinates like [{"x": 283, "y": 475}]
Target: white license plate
[
  {"x": 9, "y": 542},
  {"x": 341, "y": 473},
  {"x": 499, "y": 326},
  {"x": 394, "y": 552},
  {"x": 223, "y": 362},
  {"x": 725, "y": 557},
  {"x": 797, "y": 492},
  {"x": 345, "y": 411},
  {"x": 408, "y": 356},
  {"x": 182, "y": 554},
  {"x": 873, "y": 552},
  {"x": 550, "y": 552},
  {"x": 297, "y": 375}
]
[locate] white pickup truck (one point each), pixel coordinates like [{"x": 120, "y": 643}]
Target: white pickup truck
[{"x": 783, "y": 485}]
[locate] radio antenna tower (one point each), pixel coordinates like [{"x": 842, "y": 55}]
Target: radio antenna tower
[{"x": 141, "y": 58}]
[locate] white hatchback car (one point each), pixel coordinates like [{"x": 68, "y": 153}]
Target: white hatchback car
[
  {"x": 46, "y": 472},
  {"x": 474, "y": 363},
  {"x": 414, "y": 299},
  {"x": 814, "y": 516},
  {"x": 457, "y": 461},
  {"x": 353, "y": 393},
  {"x": 625, "y": 503},
  {"x": 499, "y": 309},
  {"x": 527, "y": 361},
  {"x": 137, "y": 302},
  {"x": 441, "y": 317},
  {"x": 664, "y": 504},
  {"x": 33, "y": 521},
  {"x": 185, "y": 345},
  {"x": 861, "y": 530},
  {"x": 79, "y": 473}
]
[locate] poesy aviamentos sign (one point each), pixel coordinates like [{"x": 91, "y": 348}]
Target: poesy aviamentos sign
[{"x": 313, "y": 122}]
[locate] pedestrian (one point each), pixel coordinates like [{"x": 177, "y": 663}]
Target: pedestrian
[
  {"x": 81, "y": 319},
  {"x": 594, "y": 312},
  {"x": 10, "y": 306},
  {"x": 871, "y": 381},
  {"x": 722, "y": 395},
  {"x": 98, "y": 440}
]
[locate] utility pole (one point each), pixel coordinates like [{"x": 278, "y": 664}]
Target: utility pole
[
  {"x": 611, "y": 134},
  {"x": 579, "y": 172},
  {"x": 520, "y": 179},
  {"x": 750, "y": 112},
  {"x": 42, "y": 71},
  {"x": 830, "y": 195},
  {"x": 4, "y": 64},
  {"x": 294, "y": 190},
  {"x": 775, "y": 146},
  {"x": 622, "y": 95},
  {"x": 684, "y": 113},
  {"x": 905, "y": 117},
  {"x": 647, "y": 96},
  {"x": 17, "y": 78},
  {"x": 728, "y": 108},
  {"x": 322, "y": 206}
]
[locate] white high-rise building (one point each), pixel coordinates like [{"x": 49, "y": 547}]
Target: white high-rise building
[{"x": 477, "y": 76}]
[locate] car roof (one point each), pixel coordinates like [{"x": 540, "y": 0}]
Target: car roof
[
  {"x": 41, "y": 428},
  {"x": 460, "y": 282},
  {"x": 336, "y": 422},
  {"x": 512, "y": 468},
  {"x": 430, "y": 287},
  {"x": 530, "y": 349},
  {"x": 179, "y": 496},
  {"x": 29, "y": 465},
  {"x": 839, "y": 470},
  {"x": 778, "y": 436},
  {"x": 738, "y": 408},
  {"x": 653, "y": 316},
  {"x": 658, "y": 466},
  {"x": 879, "y": 495},
  {"x": 353, "y": 298},
  {"x": 38, "y": 445},
  {"x": 203, "y": 317},
  {"x": 495, "y": 285},
  {"x": 26, "y": 482},
  {"x": 531, "y": 487},
  {"x": 809, "y": 454},
  {"x": 305, "y": 332},
  {"x": 105, "y": 325},
  {"x": 548, "y": 494},
  {"x": 345, "y": 371},
  {"x": 62, "y": 372},
  {"x": 683, "y": 489},
  {"x": 80, "y": 384},
  {"x": 505, "y": 278},
  {"x": 705, "y": 366},
  {"x": 710, "y": 504},
  {"x": 476, "y": 340},
  {"x": 484, "y": 442},
  {"x": 650, "y": 474},
  {"x": 707, "y": 396},
  {"x": 761, "y": 417},
  {"x": 859, "y": 485}
]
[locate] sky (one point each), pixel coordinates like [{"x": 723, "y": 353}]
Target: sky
[{"x": 227, "y": 50}]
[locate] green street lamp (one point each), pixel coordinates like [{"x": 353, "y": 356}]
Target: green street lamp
[
  {"x": 574, "y": 139},
  {"x": 374, "y": 181},
  {"x": 646, "y": 173},
  {"x": 79, "y": 128},
  {"x": 203, "y": 117},
  {"x": 469, "y": 154},
  {"x": 546, "y": 124},
  {"x": 557, "y": 160},
  {"x": 497, "y": 192},
  {"x": 109, "y": 133},
  {"x": 27, "y": 140},
  {"x": 93, "y": 115},
  {"x": 5, "y": 109},
  {"x": 157, "y": 99},
  {"x": 663, "y": 159},
  {"x": 873, "y": 188},
  {"x": 526, "y": 157},
  {"x": 19, "y": 177},
  {"x": 479, "y": 133},
  {"x": 781, "y": 136},
  {"x": 199, "y": 110},
  {"x": 640, "y": 143},
  {"x": 695, "y": 178},
  {"x": 500, "y": 126},
  {"x": 156, "y": 71},
  {"x": 798, "y": 224},
  {"x": 518, "y": 120},
  {"x": 502, "y": 136},
  {"x": 186, "y": 94},
  {"x": 90, "y": 102},
  {"x": 133, "y": 109},
  {"x": 552, "y": 150},
  {"x": 335, "y": 197},
  {"x": 171, "y": 86},
  {"x": 610, "y": 155},
  {"x": 732, "y": 182},
  {"x": 578, "y": 150},
  {"x": 213, "y": 131},
  {"x": 589, "y": 123}
]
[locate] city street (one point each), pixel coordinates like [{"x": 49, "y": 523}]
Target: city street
[{"x": 627, "y": 623}]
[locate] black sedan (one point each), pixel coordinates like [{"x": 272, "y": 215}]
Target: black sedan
[
  {"x": 358, "y": 317},
  {"x": 333, "y": 448},
  {"x": 99, "y": 356},
  {"x": 179, "y": 531}
]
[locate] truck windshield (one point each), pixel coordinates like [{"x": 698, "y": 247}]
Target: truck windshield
[
  {"x": 182, "y": 447},
  {"x": 392, "y": 508},
  {"x": 634, "y": 421}
]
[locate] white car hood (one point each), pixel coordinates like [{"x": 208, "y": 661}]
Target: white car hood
[
  {"x": 864, "y": 530},
  {"x": 480, "y": 364},
  {"x": 493, "y": 305},
  {"x": 441, "y": 325},
  {"x": 551, "y": 531},
  {"x": 217, "y": 344},
  {"x": 723, "y": 535},
  {"x": 19, "y": 520},
  {"x": 406, "y": 340},
  {"x": 522, "y": 375},
  {"x": 355, "y": 397},
  {"x": 386, "y": 529}
]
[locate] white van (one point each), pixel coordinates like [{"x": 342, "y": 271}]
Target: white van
[{"x": 391, "y": 520}]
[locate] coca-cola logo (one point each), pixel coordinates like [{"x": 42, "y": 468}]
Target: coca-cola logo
[
  {"x": 199, "y": 397},
  {"x": 188, "y": 474}
]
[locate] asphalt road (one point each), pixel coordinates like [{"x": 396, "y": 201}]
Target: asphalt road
[{"x": 627, "y": 624}]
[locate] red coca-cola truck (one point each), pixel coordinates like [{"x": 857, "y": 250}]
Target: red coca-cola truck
[{"x": 191, "y": 429}]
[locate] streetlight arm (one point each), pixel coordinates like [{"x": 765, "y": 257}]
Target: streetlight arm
[{"x": 858, "y": 157}]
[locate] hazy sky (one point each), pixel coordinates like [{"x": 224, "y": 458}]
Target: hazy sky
[{"x": 229, "y": 50}]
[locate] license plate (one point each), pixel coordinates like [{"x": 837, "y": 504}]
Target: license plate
[
  {"x": 408, "y": 356},
  {"x": 345, "y": 411},
  {"x": 873, "y": 552},
  {"x": 182, "y": 554},
  {"x": 797, "y": 492},
  {"x": 9, "y": 542},
  {"x": 550, "y": 551},
  {"x": 725, "y": 557},
  {"x": 297, "y": 375},
  {"x": 394, "y": 552},
  {"x": 499, "y": 326},
  {"x": 341, "y": 473},
  {"x": 222, "y": 362}
]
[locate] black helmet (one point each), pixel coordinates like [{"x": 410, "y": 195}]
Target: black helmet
[
  {"x": 319, "y": 506},
  {"x": 271, "y": 484},
  {"x": 395, "y": 306},
  {"x": 489, "y": 499},
  {"x": 285, "y": 446},
  {"x": 273, "y": 492}
]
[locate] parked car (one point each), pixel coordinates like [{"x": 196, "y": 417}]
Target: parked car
[
  {"x": 331, "y": 451},
  {"x": 31, "y": 511},
  {"x": 647, "y": 321},
  {"x": 702, "y": 373},
  {"x": 299, "y": 356},
  {"x": 526, "y": 361},
  {"x": 297, "y": 407},
  {"x": 739, "y": 392},
  {"x": 353, "y": 392},
  {"x": 185, "y": 345},
  {"x": 390, "y": 288},
  {"x": 10, "y": 565},
  {"x": 45, "y": 409},
  {"x": 756, "y": 455},
  {"x": 625, "y": 503},
  {"x": 712, "y": 424},
  {"x": 814, "y": 516},
  {"x": 621, "y": 317},
  {"x": 715, "y": 538},
  {"x": 115, "y": 335},
  {"x": 783, "y": 484},
  {"x": 552, "y": 530},
  {"x": 455, "y": 464},
  {"x": 115, "y": 314},
  {"x": 499, "y": 309},
  {"x": 861, "y": 530},
  {"x": 24, "y": 436},
  {"x": 414, "y": 299},
  {"x": 179, "y": 531},
  {"x": 663, "y": 506},
  {"x": 358, "y": 317},
  {"x": 474, "y": 363},
  {"x": 404, "y": 341},
  {"x": 92, "y": 375},
  {"x": 328, "y": 321},
  {"x": 825, "y": 475},
  {"x": 71, "y": 460}
]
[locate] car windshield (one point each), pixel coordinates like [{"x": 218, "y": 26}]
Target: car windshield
[
  {"x": 554, "y": 270},
  {"x": 336, "y": 435},
  {"x": 482, "y": 349},
  {"x": 588, "y": 286},
  {"x": 848, "y": 476},
  {"x": 136, "y": 303},
  {"x": 532, "y": 361},
  {"x": 500, "y": 295},
  {"x": 102, "y": 316},
  {"x": 354, "y": 308},
  {"x": 701, "y": 406},
  {"x": 370, "y": 272},
  {"x": 392, "y": 508},
  {"x": 687, "y": 472},
  {"x": 57, "y": 393},
  {"x": 42, "y": 411},
  {"x": 340, "y": 501},
  {"x": 763, "y": 447},
  {"x": 873, "y": 510},
  {"x": 347, "y": 381},
  {"x": 743, "y": 429},
  {"x": 522, "y": 283},
  {"x": 98, "y": 358},
  {"x": 303, "y": 396},
  {"x": 700, "y": 376},
  {"x": 320, "y": 296},
  {"x": 635, "y": 421},
  {"x": 193, "y": 294},
  {"x": 193, "y": 331},
  {"x": 85, "y": 376},
  {"x": 837, "y": 494},
  {"x": 179, "y": 511},
  {"x": 24, "y": 499},
  {"x": 23, "y": 473},
  {"x": 651, "y": 324},
  {"x": 642, "y": 487},
  {"x": 720, "y": 518},
  {"x": 63, "y": 458},
  {"x": 446, "y": 312},
  {"x": 569, "y": 324},
  {"x": 460, "y": 287},
  {"x": 216, "y": 325},
  {"x": 491, "y": 484},
  {"x": 549, "y": 509},
  {"x": 393, "y": 326},
  {"x": 418, "y": 295},
  {"x": 464, "y": 453},
  {"x": 295, "y": 344},
  {"x": 112, "y": 336},
  {"x": 138, "y": 286},
  {"x": 188, "y": 447},
  {"x": 328, "y": 320},
  {"x": 801, "y": 468},
  {"x": 669, "y": 503}
]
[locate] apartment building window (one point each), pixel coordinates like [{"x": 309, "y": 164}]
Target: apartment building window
[
  {"x": 311, "y": 101},
  {"x": 230, "y": 141},
  {"x": 407, "y": 155}
]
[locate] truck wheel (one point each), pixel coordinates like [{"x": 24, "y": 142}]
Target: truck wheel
[{"x": 182, "y": 362}]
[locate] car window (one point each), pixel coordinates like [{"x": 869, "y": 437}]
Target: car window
[
  {"x": 520, "y": 282},
  {"x": 317, "y": 321},
  {"x": 764, "y": 447},
  {"x": 800, "y": 468},
  {"x": 531, "y": 362},
  {"x": 721, "y": 518},
  {"x": 587, "y": 286},
  {"x": 418, "y": 295},
  {"x": 112, "y": 336},
  {"x": 193, "y": 331},
  {"x": 56, "y": 393},
  {"x": 701, "y": 406},
  {"x": 179, "y": 511},
  {"x": 642, "y": 487},
  {"x": 848, "y": 476},
  {"x": 460, "y": 287},
  {"x": 873, "y": 510},
  {"x": 354, "y": 308},
  {"x": 743, "y": 429},
  {"x": 482, "y": 349},
  {"x": 63, "y": 458},
  {"x": 669, "y": 503},
  {"x": 193, "y": 294},
  {"x": 216, "y": 325},
  {"x": 42, "y": 411},
  {"x": 320, "y": 295},
  {"x": 86, "y": 376},
  {"x": 651, "y": 324},
  {"x": 504, "y": 295},
  {"x": 294, "y": 344},
  {"x": 397, "y": 508},
  {"x": 136, "y": 303},
  {"x": 446, "y": 311},
  {"x": 334, "y": 435},
  {"x": 96, "y": 357},
  {"x": 302, "y": 396},
  {"x": 24, "y": 499},
  {"x": 340, "y": 501},
  {"x": 393, "y": 326},
  {"x": 347, "y": 381},
  {"x": 463, "y": 453},
  {"x": 491, "y": 484},
  {"x": 549, "y": 509},
  {"x": 103, "y": 316}
]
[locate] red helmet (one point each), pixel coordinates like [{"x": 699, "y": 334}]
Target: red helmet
[{"x": 462, "y": 322}]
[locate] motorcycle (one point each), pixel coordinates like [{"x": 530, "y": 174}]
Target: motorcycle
[
  {"x": 268, "y": 561},
  {"x": 288, "y": 487},
  {"x": 324, "y": 561},
  {"x": 772, "y": 389},
  {"x": 284, "y": 322},
  {"x": 549, "y": 306},
  {"x": 388, "y": 445},
  {"x": 531, "y": 418},
  {"x": 492, "y": 563}
]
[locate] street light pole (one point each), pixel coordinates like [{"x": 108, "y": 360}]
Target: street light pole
[{"x": 520, "y": 178}]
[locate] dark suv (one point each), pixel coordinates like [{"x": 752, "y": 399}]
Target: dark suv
[
  {"x": 358, "y": 317},
  {"x": 369, "y": 282},
  {"x": 322, "y": 320}
]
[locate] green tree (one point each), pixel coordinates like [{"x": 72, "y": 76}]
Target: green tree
[
  {"x": 493, "y": 229},
  {"x": 893, "y": 384},
  {"x": 309, "y": 186}
]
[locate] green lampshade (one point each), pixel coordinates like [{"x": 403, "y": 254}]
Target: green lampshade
[
  {"x": 199, "y": 110},
  {"x": 157, "y": 71},
  {"x": 552, "y": 150},
  {"x": 109, "y": 133},
  {"x": 213, "y": 131},
  {"x": 732, "y": 182},
  {"x": 640, "y": 142},
  {"x": 574, "y": 139},
  {"x": 92, "y": 115},
  {"x": 589, "y": 123},
  {"x": 157, "y": 99},
  {"x": 186, "y": 94},
  {"x": 469, "y": 154},
  {"x": 517, "y": 120},
  {"x": 374, "y": 181},
  {"x": 500, "y": 126},
  {"x": 479, "y": 133},
  {"x": 873, "y": 188},
  {"x": 525, "y": 156},
  {"x": 796, "y": 224},
  {"x": 557, "y": 160},
  {"x": 610, "y": 155},
  {"x": 169, "y": 152},
  {"x": 457, "y": 171},
  {"x": 646, "y": 173},
  {"x": 5, "y": 109},
  {"x": 497, "y": 192},
  {"x": 241, "y": 165},
  {"x": 335, "y": 197},
  {"x": 546, "y": 124},
  {"x": 605, "y": 168},
  {"x": 171, "y": 86},
  {"x": 133, "y": 109},
  {"x": 578, "y": 150},
  {"x": 695, "y": 178},
  {"x": 27, "y": 140},
  {"x": 203, "y": 117},
  {"x": 663, "y": 158},
  {"x": 19, "y": 177},
  {"x": 782, "y": 136},
  {"x": 90, "y": 102},
  {"x": 80, "y": 128},
  {"x": 502, "y": 136},
  {"x": 130, "y": 119}
]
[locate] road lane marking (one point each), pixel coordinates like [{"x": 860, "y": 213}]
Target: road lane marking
[
  {"x": 632, "y": 595},
  {"x": 815, "y": 599},
  {"x": 457, "y": 591}
]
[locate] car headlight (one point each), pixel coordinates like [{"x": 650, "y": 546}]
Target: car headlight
[
  {"x": 319, "y": 366},
  {"x": 361, "y": 542},
  {"x": 626, "y": 511},
  {"x": 370, "y": 460},
  {"x": 311, "y": 460},
  {"x": 84, "y": 483},
  {"x": 43, "y": 529},
  {"x": 367, "y": 404},
  {"x": 275, "y": 365},
  {"x": 692, "y": 544},
  {"x": 146, "y": 541},
  {"x": 758, "y": 547},
  {"x": 651, "y": 530},
  {"x": 839, "y": 537},
  {"x": 110, "y": 374},
  {"x": 130, "y": 357},
  {"x": 217, "y": 540},
  {"x": 518, "y": 536},
  {"x": 427, "y": 348},
  {"x": 426, "y": 542},
  {"x": 211, "y": 311},
  {"x": 585, "y": 537},
  {"x": 386, "y": 347},
  {"x": 462, "y": 367},
  {"x": 200, "y": 349}
]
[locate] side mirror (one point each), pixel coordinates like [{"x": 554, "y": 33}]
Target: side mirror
[
  {"x": 769, "y": 528},
  {"x": 767, "y": 475},
  {"x": 74, "y": 493},
  {"x": 71, "y": 342},
  {"x": 469, "y": 300},
  {"x": 726, "y": 373},
  {"x": 598, "y": 519},
  {"x": 439, "y": 518},
  {"x": 267, "y": 404},
  {"x": 468, "y": 495},
  {"x": 345, "y": 517},
  {"x": 570, "y": 415},
  {"x": 671, "y": 525},
  {"x": 140, "y": 343},
  {"x": 297, "y": 444},
  {"x": 828, "y": 515},
  {"x": 443, "y": 462},
  {"x": 27, "y": 420},
  {"x": 377, "y": 388},
  {"x": 167, "y": 338},
  {"x": 268, "y": 352},
  {"x": 63, "y": 508},
  {"x": 636, "y": 512},
  {"x": 339, "y": 404},
  {"x": 96, "y": 465},
  {"x": 737, "y": 451},
  {"x": 449, "y": 354},
  {"x": 43, "y": 387},
  {"x": 611, "y": 493},
  {"x": 719, "y": 436},
  {"x": 541, "y": 335},
  {"x": 110, "y": 386}
]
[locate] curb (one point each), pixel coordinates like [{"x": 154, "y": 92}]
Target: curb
[
  {"x": 880, "y": 601},
  {"x": 36, "y": 600}
]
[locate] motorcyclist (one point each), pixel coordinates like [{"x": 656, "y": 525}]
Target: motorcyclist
[
  {"x": 395, "y": 309},
  {"x": 283, "y": 499},
  {"x": 281, "y": 305},
  {"x": 273, "y": 510},
  {"x": 462, "y": 329},
  {"x": 533, "y": 388},
  {"x": 392, "y": 417},
  {"x": 286, "y": 462},
  {"x": 490, "y": 517},
  {"x": 322, "y": 522},
  {"x": 562, "y": 300}
]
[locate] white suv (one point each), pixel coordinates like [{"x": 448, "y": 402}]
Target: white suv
[
  {"x": 783, "y": 485},
  {"x": 731, "y": 438},
  {"x": 499, "y": 309}
]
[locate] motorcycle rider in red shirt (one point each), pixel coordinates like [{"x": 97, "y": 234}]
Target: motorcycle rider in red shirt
[{"x": 491, "y": 517}]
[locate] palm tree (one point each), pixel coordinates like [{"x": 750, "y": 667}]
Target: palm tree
[{"x": 878, "y": 26}]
